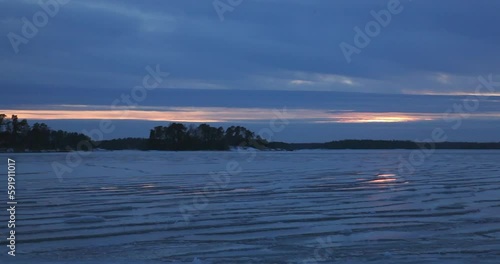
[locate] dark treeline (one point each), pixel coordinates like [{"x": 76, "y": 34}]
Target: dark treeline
[
  {"x": 383, "y": 144},
  {"x": 177, "y": 136},
  {"x": 204, "y": 137},
  {"x": 124, "y": 144},
  {"x": 18, "y": 135}
]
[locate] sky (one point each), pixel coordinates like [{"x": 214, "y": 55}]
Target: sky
[{"x": 298, "y": 71}]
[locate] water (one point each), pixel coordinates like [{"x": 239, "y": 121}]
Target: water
[{"x": 264, "y": 207}]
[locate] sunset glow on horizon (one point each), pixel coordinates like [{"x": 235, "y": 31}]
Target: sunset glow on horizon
[{"x": 222, "y": 114}]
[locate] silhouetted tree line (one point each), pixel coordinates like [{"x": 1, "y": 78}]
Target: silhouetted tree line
[
  {"x": 19, "y": 135},
  {"x": 177, "y": 136},
  {"x": 383, "y": 144},
  {"x": 124, "y": 144}
]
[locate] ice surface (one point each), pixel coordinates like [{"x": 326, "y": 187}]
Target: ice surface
[
  {"x": 84, "y": 219},
  {"x": 283, "y": 207}
]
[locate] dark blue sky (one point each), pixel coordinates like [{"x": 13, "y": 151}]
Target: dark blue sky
[{"x": 237, "y": 64}]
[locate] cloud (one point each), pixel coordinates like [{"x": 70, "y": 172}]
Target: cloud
[
  {"x": 231, "y": 115},
  {"x": 266, "y": 54},
  {"x": 261, "y": 45}
]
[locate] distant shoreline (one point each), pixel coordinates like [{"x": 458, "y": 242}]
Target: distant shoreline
[
  {"x": 141, "y": 144},
  {"x": 17, "y": 136},
  {"x": 266, "y": 150}
]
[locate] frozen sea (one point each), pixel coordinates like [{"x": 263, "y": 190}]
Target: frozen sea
[{"x": 256, "y": 207}]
